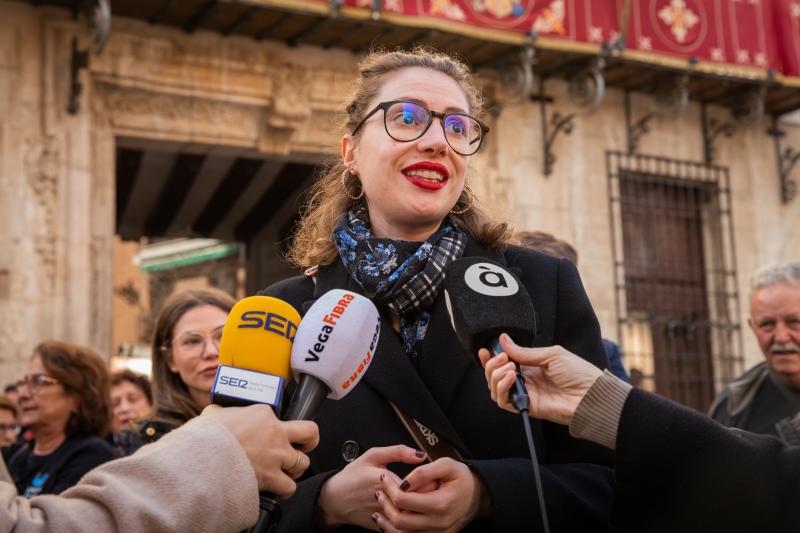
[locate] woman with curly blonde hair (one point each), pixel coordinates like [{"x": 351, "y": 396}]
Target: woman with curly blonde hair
[{"x": 386, "y": 221}]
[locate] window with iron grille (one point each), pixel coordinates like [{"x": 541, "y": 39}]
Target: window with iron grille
[{"x": 675, "y": 275}]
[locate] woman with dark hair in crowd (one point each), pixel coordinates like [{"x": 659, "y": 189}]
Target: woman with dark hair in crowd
[
  {"x": 386, "y": 221},
  {"x": 64, "y": 402},
  {"x": 131, "y": 398},
  {"x": 185, "y": 359}
]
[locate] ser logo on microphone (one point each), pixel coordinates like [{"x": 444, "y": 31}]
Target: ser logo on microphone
[
  {"x": 491, "y": 280},
  {"x": 233, "y": 382},
  {"x": 271, "y": 322}
]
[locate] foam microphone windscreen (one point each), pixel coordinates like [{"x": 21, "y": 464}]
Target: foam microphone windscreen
[
  {"x": 336, "y": 340},
  {"x": 485, "y": 299},
  {"x": 254, "y": 352}
]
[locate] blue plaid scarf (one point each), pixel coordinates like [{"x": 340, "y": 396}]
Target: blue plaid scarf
[{"x": 404, "y": 276}]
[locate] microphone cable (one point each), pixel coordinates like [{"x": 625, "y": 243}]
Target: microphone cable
[{"x": 521, "y": 401}]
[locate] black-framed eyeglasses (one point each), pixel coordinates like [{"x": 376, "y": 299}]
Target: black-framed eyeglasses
[
  {"x": 406, "y": 121},
  {"x": 34, "y": 382}
]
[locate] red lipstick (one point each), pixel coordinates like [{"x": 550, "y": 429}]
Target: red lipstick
[{"x": 412, "y": 173}]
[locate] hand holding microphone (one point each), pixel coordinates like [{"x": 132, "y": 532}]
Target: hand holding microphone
[
  {"x": 276, "y": 449},
  {"x": 254, "y": 357},
  {"x": 556, "y": 379},
  {"x": 484, "y": 300}
]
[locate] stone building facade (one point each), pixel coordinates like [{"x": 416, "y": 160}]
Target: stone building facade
[{"x": 155, "y": 85}]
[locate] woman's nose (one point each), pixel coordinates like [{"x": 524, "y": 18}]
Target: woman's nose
[
  {"x": 23, "y": 391},
  {"x": 434, "y": 139},
  {"x": 210, "y": 348}
]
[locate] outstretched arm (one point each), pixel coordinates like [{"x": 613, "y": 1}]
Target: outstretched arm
[{"x": 204, "y": 476}]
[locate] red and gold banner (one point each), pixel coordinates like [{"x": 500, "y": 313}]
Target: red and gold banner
[
  {"x": 735, "y": 32},
  {"x": 752, "y": 38},
  {"x": 586, "y": 21},
  {"x": 787, "y": 20}
]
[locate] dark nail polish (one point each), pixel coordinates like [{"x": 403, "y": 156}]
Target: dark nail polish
[
  {"x": 419, "y": 453},
  {"x": 381, "y": 477},
  {"x": 375, "y": 517},
  {"x": 376, "y": 495},
  {"x": 404, "y": 485}
]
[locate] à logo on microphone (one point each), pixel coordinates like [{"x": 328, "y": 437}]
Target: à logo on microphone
[{"x": 491, "y": 280}]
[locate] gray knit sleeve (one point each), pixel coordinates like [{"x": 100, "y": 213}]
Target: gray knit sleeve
[{"x": 597, "y": 416}]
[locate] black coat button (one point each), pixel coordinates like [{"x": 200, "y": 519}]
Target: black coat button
[{"x": 350, "y": 451}]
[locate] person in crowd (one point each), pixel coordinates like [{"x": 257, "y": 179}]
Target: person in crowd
[
  {"x": 551, "y": 245},
  {"x": 64, "y": 402},
  {"x": 185, "y": 352},
  {"x": 131, "y": 398},
  {"x": 675, "y": 469},
  {"x": 386, "y": 221},
  {"x": 765, "y": 398},
  {"x": 204, "y": 477},
  {"x": 10, "y": 392},
  {"x": 9, "y": 427}
]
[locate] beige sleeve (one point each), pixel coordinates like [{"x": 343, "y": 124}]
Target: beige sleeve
[
  {"x": 597, "y": 416},
  {"x": 4, "y": 475},
  {"x": 196, "y": 478}
]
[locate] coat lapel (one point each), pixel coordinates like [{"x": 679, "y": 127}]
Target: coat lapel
[
  {"x": 391, "y": 373},
  {"x": 443, "y": 361}
]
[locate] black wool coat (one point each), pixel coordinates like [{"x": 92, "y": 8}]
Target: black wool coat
[
  {"x": 677, "y": 470},
  {"x": 447, "y": 392}
]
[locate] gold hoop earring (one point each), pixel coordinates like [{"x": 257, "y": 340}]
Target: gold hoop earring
[
  {"x": 343, "y": 179},
  {"x": 469, "y": 204}
]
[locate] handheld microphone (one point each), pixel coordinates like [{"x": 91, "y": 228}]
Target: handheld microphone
[
  {"x": 254, "y": 352},
  {"x": 484, "y": 299},
  {"x": 332, "y": 350},
  {"x": 254, "y": 356}
]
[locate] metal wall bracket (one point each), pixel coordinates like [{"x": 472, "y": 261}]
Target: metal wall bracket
[
  {"x": 672, "y": 101},
  {"x": 515, "y": 81},
  {"x": 712, "y": 128},
  {"x": 787, "y": 158},
  {"x": 586, "y": 89},
  {"x": 97, "y": 14},
  {"x": 558, "y": 123},
  {"x": 375, "y": 12},
  {"x": 749, "y": 108},
  {"x": 79, "y": 60},
  {"x": 636, "y": 130}
]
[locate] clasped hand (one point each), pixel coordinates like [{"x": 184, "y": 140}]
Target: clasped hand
[{"x": 442, "y": 496}]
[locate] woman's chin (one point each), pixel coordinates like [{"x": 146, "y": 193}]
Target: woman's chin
[{"x": 426, "y": 214}]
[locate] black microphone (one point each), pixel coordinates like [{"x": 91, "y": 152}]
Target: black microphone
[{"x": 485, "y": 299}]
